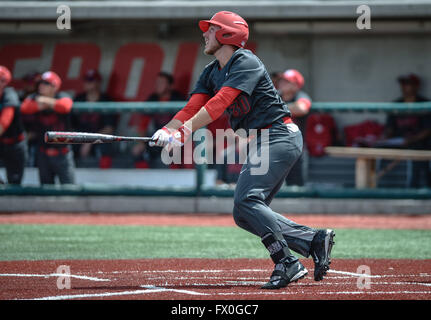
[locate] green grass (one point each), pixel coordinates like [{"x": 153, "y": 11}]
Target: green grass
[{"x": 43, "y": 242}]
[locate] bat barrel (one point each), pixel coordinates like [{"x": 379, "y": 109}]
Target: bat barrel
[
  {"x": 59, "y": 137},
  {"x": 56, "y": 137}
]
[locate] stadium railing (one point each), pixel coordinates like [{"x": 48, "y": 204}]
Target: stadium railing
[
  {"x": 163, "y": 107},
  {"x": 199, "y": 189}
]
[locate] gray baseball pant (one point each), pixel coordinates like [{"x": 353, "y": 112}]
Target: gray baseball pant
[{"x": 254, "y": 193}]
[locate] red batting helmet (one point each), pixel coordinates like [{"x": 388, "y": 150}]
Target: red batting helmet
[
  {"x": 234, "y": 29},
  {"x": 52, "y": 78},
  {"x": 294, "y": 76},
  {"x": 5, "y": 74}
]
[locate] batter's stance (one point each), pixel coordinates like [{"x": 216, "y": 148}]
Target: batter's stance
[{"x": 238, "y": 83}]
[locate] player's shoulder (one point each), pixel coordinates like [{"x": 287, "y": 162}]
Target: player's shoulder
[
  {"x": 10, "y": 92},
  {"x": 245, "y": 54},
  {"x": 211, "y": 65},
  {"x": 10, "y": 95},
  {"x": 246, "y": 59}
]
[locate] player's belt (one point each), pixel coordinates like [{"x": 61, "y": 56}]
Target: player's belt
[
  {"x": 286, "y": 120},
  {"x": 53, "y": 152},
  {"x": 12, "y": 140}
]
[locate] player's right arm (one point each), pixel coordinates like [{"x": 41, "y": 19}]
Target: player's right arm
[
  {"x": 34, "y": 104},
  {"x": 30, "y": 105},
  {"x": 6, "y": 117},
  {"x": 204, "y": 115}
]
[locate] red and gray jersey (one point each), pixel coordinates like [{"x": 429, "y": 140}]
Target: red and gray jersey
[
  {"x": 48, "y": 120},
  {"x": 9, "y": 99},
  {"x": 259, "y": 104}
]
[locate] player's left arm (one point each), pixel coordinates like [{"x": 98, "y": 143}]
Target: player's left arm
[
  {"x": 213, "y": 109},
  {"x": 243, "y": 76},
  {"x": 210, "y": 112}
]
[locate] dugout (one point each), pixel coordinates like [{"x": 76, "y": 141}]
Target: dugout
[{"x": 129, "y": 42}]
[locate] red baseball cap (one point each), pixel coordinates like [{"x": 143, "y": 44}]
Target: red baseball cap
[
  {"x": 52, "y": 78},
  {"x": 409, "y": 79},
  {"x": 294, "y": 76},
  {"x": 5, "y": 74},
  {"x": 92, "y": 75},
  {"x": 32, "y": 77}
]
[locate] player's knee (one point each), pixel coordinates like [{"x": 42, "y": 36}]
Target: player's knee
[
  {"x": 238, "y": 203},
  {"x": 242, "y": 206}
]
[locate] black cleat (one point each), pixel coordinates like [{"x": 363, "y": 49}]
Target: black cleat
[
  {"x": 321, "y": 247},
  {"x": 284, "y": 274}
]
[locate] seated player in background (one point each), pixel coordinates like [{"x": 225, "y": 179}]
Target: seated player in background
[
  {"x": 52, "y": 113},
  {"x": 410, "y": 130},
  {"x": 164, "y": 91},
  {"x": 94, "y": 122},
  {"x": 13, "y": 147},
  {"x": 237, "y": 83},
  {"x": 275, "y": 77},
  {"x": 30, "y": 82},
  {"x": 289, "y": 85}
]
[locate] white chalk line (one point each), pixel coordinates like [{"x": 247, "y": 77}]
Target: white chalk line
[
  {"x": 347, "y": 274},
  {"x": 148, "y": 289},
  {"x": 51, "y": 275},
  {"x": 153, "y": 289},
  {"x": 356, "y": 275},
  {"x": 365, "y": 292},
  {"x": 299, "y": 284}
]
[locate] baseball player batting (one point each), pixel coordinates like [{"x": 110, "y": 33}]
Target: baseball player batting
[{"x": 238, "y": 78}]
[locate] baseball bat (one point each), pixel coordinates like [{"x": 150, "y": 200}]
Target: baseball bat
[{"x": 61, "y": 137}]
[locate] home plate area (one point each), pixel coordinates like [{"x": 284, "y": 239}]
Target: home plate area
[{"x": 187, "y": 279}]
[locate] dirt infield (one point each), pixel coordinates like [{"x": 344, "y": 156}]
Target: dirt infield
[
  {"x": 214, "y": 279},
  {"x": 210, "y": 279},
  {"x": 333, "y": 221}
]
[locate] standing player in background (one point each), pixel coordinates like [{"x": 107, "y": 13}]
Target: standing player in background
[
  {"x": 289, "y": 85},
  {"x": 164, "y": 91},
  {"x": 13, "y": 147},
  {"x": 413, "y": 129},
  {"x": 30, "y": 82},
  {"x": 94, "y": 121},
  {"x": 237, "y": 82},
  {"x": 52, "y": 109}
]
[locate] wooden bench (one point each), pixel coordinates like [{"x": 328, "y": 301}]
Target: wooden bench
[{"x": 365, "y": 171}]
